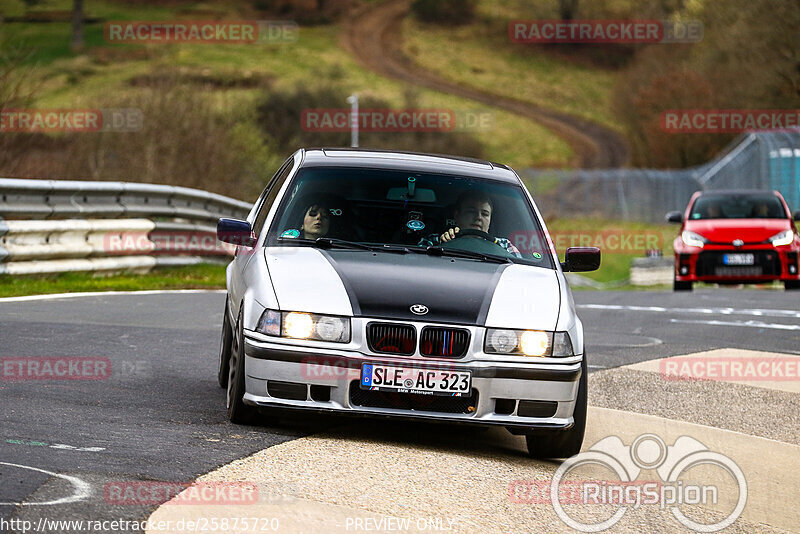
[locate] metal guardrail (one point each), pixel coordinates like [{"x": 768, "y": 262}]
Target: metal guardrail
[
  {"x": 755, "y": 160},
  {"x": 49, "y": 226}
]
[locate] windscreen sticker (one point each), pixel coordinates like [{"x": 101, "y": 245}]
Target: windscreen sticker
[{"x": 291, "y": 234}]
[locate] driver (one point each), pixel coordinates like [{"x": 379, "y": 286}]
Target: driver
[{"x": 474, "y": 212}]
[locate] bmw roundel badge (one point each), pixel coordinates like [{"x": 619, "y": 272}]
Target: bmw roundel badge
[{"x": 419, "y": 309}]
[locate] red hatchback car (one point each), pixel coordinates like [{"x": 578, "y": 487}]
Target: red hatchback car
[{"x": 736, "y": 237}]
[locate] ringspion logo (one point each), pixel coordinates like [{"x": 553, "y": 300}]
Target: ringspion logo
[{"x": 676, "y": 489}]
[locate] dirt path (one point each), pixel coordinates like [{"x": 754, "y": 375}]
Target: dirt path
[{"x": 374, "y": 38}]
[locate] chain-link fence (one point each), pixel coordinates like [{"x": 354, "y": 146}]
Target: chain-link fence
[{"x": 763, "y": 160}]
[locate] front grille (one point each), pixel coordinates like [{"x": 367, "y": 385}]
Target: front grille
[
  {"x": 443, "y": 342},
  {"x": 738, "y": 271},
  {"x": 711, "y": 263},
  {"x": 392, "y": 338},
  {"x": 411, "y": 401}
]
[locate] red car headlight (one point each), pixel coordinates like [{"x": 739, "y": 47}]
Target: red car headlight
[{"x": 783, "y": 238}]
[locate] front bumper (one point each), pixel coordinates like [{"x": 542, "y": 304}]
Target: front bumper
[
  {"x": 706, "y": 265},
  {"x": 519, "y": 397}
]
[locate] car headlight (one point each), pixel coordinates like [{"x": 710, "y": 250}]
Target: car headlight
[
  {"x": 535, "y": 343},
  {"x": 784, "y": 238},
  {"x": 692, "y": 239},
  {"x": 301, "y": 325}
]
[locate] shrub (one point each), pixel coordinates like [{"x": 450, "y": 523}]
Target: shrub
[
  {"x": 445, "y": 12},
  {"x": 280, "y": 112}
]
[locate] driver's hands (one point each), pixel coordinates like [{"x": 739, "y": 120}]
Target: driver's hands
[{"x": 448, "y": 235}]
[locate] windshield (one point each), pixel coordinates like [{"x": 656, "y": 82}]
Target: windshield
[
  {"x": 738, "y": 206},
  {"x": 410, "y": 209}
]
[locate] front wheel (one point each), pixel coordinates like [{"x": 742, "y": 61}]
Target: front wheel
[
  {"x": 238, "y": 411},
  {"x": 681, "y": 286},
  {"x": 225, "y": 349},
  {"x": 563, "y": 443},
  {"x": 789, "y": 285}
]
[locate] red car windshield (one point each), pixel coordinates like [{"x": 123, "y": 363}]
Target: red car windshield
[{"x": 738, "y": 206}]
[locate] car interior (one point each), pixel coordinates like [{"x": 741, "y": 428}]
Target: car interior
[{"x": 391, "y": 207}]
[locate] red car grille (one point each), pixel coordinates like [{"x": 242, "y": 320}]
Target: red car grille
[{"x": 711, "y": 263}]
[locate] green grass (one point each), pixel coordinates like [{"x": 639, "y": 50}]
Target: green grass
[
  {"x": 203, "y": 276},
  {"x": 69, "y": 80},
  {"x": 480, "y": 55},
  {"x": 616, "y": 259}
]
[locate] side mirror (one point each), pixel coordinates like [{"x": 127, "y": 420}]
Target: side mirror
[
  {"x": 675, "y": 217},
  {"x": 796, "y": 215},
  {"x": 581, "y": 259},
  {"x": 235, "y": 232}
]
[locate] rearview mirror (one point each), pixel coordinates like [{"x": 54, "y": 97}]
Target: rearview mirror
[
  {"x": 235, "y": 232},
  {"x": 675, "y": 217},
  {"x": 581, "y": 259}
]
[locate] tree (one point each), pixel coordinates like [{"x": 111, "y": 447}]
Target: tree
[
  {"x": 567, "y": 9},
  {"x": 77, "y": 25}
]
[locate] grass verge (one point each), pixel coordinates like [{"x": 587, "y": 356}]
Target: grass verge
[
  {"x": 619, "y": 242},
  {"x": 481, "y": 55},
  {"x": 202, "y": 276}
]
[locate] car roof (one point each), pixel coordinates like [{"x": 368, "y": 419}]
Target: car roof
[
  {"x": 739, "y": 192},
  {"x": 412, "y": 161}
]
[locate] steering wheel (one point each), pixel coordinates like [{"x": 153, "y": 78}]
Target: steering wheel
[
  {"x": 486, "y": 245},
  {"x": 466, "y": 232}
]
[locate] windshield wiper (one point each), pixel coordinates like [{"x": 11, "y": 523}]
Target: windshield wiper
[
  {"x": 458, "y": 253},
  {"x": 329, "y": 242}
]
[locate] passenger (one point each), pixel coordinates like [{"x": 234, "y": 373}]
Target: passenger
[
  {"x": 316, "y": 223},
  {"x": 761, "y": 211},
  {"x": 474, "y": 212},
  {"x": 713, "y": 211}
]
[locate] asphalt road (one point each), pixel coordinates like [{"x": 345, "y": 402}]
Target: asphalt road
[{"x": 160, "y": 414}]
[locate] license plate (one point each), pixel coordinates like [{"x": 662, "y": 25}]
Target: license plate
[
  {"x": 410, "y": 380},
  {"x": 738, "y": 259}
]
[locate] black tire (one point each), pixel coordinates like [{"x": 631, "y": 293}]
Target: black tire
[
  {"x": 238, "y": 411},
  {"x": 681, "y": 286},
  {"x": 790, "y": 285},
  {"x": 563, "y": 443},
  {"x": 225, "y": 349}
]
